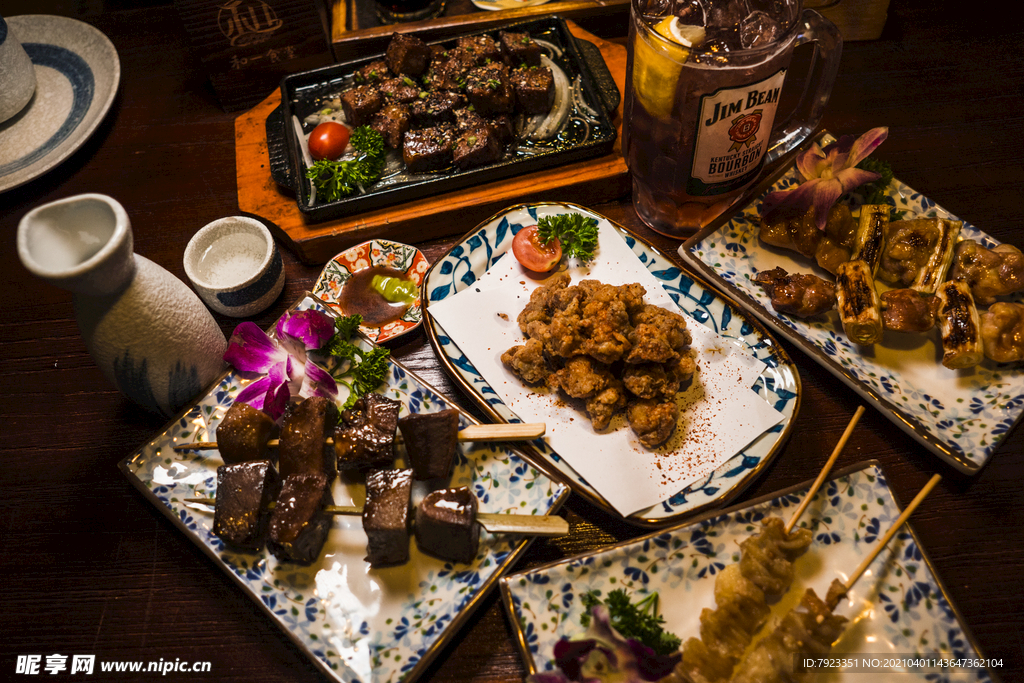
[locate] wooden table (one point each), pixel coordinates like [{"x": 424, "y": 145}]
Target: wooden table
[{"x": 91, "y": 567}]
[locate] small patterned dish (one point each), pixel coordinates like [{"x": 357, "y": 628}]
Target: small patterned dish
[
  {"x": 406, "y": 259},
  {"x": 356, "y": 624},
  {"x": 779, "y": 384},
  {"x": 960, "y": 415},
  {"x": 898, "y": 606}
]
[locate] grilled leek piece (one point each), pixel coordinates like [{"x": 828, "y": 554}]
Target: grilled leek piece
[
  {"x": 858, "y": 303},
  {"x": 869, "y": 239},
  {"x": 934, "y": 270},
  {"x": 959, "y": 326}
]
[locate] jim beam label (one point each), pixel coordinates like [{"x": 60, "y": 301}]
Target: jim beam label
[{"x": 732, "y": 135}]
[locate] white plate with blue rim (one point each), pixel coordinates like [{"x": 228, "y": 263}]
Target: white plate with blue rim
[
  {"x": 898, "y": 608},
  {"x": 779, "y": 384},
  {"x": 356, "y": 624},
  {"x": 960, "y": 415},
  {"x": 77, "y": 74}
]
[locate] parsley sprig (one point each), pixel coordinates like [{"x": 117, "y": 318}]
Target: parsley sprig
[
  {"x": 875, "y": 191},
  {"x": 640, "y": 621},
  {"x": 366, "y": 370},
  {"x": 576, "y": 233},
  {"x": 337, "y": 179}
]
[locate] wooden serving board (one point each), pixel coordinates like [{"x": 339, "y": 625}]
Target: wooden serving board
[{"x": 590, "y": 181}]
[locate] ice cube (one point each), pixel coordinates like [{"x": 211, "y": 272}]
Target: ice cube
[
  {"x": 690, "y": 12},
  {"x": 724, "y": 14},
  {"x": 758, "y": 29}
]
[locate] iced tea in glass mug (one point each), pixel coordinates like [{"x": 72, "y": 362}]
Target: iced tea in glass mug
[{"x": 703, "y": 81}]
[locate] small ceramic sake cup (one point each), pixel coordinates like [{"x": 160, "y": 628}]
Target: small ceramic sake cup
[{"x": 235, "y": 266}]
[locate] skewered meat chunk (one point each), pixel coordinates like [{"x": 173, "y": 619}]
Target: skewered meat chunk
[
  {"x": 386, "y": 517},
  {"x": 741, "y": 609},
  {"x": 811, "y": 628},
  {"x": 829, "y": 247},
  {"x": 918, "y": 252},
  {"x": 476, "y": 147},
  {"x": 446, "y": 525},
  {"x": 366, "y": 439},
  {"x": 481, "y": 48},
  {"x": 1002, "y": 332},
  {"x": 401, "y": 89},
  {"x": 244, "y": 493},
  {"x": 243, "y": 433},
  {"x": 907, "y": 310},
  {"x": 430, "y": 442},
  {"x": 489, "y": 90},
  {"x": 392, "y": 121},
  {"x": 299, "y": 522},
  {"x": 989, "y": 272},
  {"x": 534, "y": 87},
  {"x": 428, "y": 149},
  {"x": 406, "y": 54},
  {"x": 767, "y": 557},
  {"x": 361, "y": 103},
  {"x": 519, "y": 48},
  {"x": 800, "y": 294},
  {"x": 373, "y": 73},
  {"x": 303, "y": 446}
]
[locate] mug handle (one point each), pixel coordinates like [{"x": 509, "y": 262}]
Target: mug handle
[{"x": 801, "y": 122}]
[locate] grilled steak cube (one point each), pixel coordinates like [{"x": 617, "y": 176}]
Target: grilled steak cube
[
  {"x": 446, "y": 525},
  {"x": 299, "y": 522},
  {"x": 489, "y": 90},
  {"x": 534, "y": 87},
  {"x": 373, "y": 73},
  {"x": 303, "y": 446},
  {"x": 428, "y": 149},
  {"x": 391, "y": 122},
  {"x": 360, "y": 103},
  {"x": 245, "y": 491},
  {"x": 501, "y": 126},
  {"x": 476, "y": 147},
  {"x": 519, "y": 48},
  {"x": 407, "y": 54},
  {"x": 386, "y": 516},
  {"x": 482, "y": 48},
  {"x": 402, "y": 89},
  {"x": 243, "y": 433},
  {"x": 438, "y": 107},
  {"x": 430, "y": 442},
  {"x": 448, "y": 70}
]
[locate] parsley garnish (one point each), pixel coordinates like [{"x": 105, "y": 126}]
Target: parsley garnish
[
  {"x": 640, "y": 621},
  {"x": 875, "y": 191},
  {"x": 337, "y": 179},
  {"x": 366, "y": 370},
  {"x": 576, "y": 233}
]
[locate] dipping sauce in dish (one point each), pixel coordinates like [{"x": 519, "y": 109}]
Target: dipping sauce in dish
[{"x": 379, "y": 294}]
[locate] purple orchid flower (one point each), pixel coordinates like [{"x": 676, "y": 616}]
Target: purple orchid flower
[
  {"x": 602, "y": 655},
  {"x": 288, "y": 369},
  {"x": 828, "y": 173}
]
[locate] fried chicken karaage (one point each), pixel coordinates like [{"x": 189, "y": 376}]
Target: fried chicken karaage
[{"x": 604, "y": 345}]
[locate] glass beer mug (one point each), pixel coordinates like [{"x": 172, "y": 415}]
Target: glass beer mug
[{"x": 703, "y": 81}]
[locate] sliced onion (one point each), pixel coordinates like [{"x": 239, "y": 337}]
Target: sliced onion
[
  {"x": 303, "y": 141},
  {"x": 544, "y": 126}
]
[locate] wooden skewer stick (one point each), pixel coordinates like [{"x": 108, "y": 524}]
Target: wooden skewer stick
[
  {"x": 825, "y": 470},
  {"x": 892, "y": 530},
  {"x": 518, "y": 431},
  {"x": 496, "y": 523}
]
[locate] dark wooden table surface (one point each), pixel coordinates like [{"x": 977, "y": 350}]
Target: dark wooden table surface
[{"x": 90, "y": 566}]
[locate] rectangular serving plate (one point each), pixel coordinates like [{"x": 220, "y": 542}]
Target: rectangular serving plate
[
  {"x": 962, "y": 416},
  {"x": 898, "y": 606},
  {"x": 356, "y": 624},
  {"x": 301, "y": 92}
]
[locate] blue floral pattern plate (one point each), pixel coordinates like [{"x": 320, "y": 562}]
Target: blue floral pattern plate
[
  {"x": 779, "y": 383},
  {"x": 960, "y": 415},
  {"x": 898, "y": 606},
  {"x": 358, "y": 625}
]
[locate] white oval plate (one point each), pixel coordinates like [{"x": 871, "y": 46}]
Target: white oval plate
[
  {"x": 779, "y": 384},
  {"x": 77, "y": 74}
]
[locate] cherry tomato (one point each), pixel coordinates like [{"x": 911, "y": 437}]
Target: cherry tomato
[
  {"x": 532, "y": 253},
  {"x": 328, "y": 140}
]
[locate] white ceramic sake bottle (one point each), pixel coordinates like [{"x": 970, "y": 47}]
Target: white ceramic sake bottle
[{"x": 146, "y": 330}]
